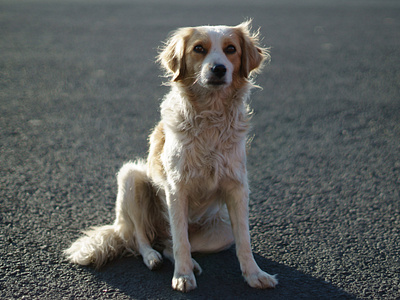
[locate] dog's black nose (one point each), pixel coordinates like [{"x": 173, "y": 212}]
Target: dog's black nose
[{"x": 219, "y": 70}]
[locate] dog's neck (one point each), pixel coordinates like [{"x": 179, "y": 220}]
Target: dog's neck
[
  {"x": 215, "y": 110},
  {"x": 219, "y": 100}
]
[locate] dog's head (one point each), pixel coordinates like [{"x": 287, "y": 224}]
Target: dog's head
[{"x": 213, "y": 57}]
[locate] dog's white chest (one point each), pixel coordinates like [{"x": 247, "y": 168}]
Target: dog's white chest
[
  {"x": 211, "y": 151},
  {"x": 204, "y": 146}
]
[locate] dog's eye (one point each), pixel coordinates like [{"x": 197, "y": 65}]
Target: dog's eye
[
  {"x": 230, "y": 49},
  {"x": 199, "y": 49}
]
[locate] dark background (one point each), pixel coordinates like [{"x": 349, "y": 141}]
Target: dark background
[{"x": 80, "y": 92}]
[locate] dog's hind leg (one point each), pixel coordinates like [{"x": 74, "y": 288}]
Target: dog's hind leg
[
  {"x": 213, "y": 237},
  {"x": 136, "y": 208}
]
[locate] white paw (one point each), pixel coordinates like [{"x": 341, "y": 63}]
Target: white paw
[
  {"x": 261, "y": 280},
  {"x": 184, "y": 283},
  {"x": 153, "y": 260}
]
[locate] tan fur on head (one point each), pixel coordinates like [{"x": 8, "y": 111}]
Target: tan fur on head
[
  {"x": 173, "y": 55},
  {"x": 253, "y": 56}
]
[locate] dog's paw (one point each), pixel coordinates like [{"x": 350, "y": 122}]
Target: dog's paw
[
  {"x": 153, "y": 260},
  {"x": 196, "y": 268},
  {"x": 261, "y": 280},
  {"x": 184, "y": 283}
]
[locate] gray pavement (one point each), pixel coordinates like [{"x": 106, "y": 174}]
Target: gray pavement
[{"x": 79, "y": 93}]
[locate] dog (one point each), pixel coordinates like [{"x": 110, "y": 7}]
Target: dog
[{"x": 192, "y": 193}]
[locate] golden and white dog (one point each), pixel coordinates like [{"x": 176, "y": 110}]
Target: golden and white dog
[{"x": 192, "y": 193}]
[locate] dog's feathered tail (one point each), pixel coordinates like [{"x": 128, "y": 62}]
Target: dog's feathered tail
[
  {"x": 98, "y": 246},
  {"x": 135, "y": 205}
]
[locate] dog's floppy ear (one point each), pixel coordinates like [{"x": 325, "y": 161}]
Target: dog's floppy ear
[
  {"x": 172, "y": 56},
  {"x": 253, "y": 55}
]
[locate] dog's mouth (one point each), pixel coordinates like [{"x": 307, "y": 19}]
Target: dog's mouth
[
  {"x": 216, "y": 82},
  {"x": 212, "y": 81}
]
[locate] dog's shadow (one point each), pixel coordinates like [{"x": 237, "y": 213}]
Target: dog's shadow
[{"x": 221, "y": 279}]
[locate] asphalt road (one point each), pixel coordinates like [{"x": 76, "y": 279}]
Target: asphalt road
[{"x": 79, "y": 94}]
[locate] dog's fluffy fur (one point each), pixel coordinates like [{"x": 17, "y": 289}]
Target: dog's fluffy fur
[{"x": 191, "y": 195}]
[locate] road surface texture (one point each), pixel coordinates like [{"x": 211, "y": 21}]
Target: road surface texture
[{"x": 80, "y": 92}]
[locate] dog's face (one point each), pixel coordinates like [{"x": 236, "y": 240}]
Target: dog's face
[{"x": 212, "y": 57}]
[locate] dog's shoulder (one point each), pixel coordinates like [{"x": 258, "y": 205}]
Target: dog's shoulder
[{"x": 157, "y": 141}]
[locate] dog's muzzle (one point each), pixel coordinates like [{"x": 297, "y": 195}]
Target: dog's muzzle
[{"x": 218, "y": 73}]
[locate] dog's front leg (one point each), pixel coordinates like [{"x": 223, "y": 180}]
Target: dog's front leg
[
  {"x": 237, "y": 198},
  {"x": 183, "y": 279}
]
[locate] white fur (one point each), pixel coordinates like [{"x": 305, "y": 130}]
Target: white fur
[
  {"x": 191, "y": 195},
  {"x": 216, "y": 55}
]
